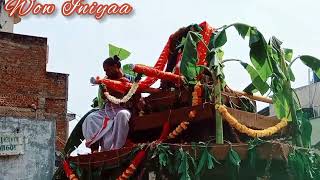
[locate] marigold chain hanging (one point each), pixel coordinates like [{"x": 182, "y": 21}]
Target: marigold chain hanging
[
  {"x": 250, "y": 132},
  {"x": 196, "y": 100}
]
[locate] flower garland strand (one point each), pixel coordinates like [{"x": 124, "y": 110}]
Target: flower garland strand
[
  {"x": 165, "y": 134},
  {"x": 197, "y": 94},
  {"x": 178, "y": 130},
  {"x": 126, "y": 98},
  {"x": 68, "y": 171},
  {"x": 250, "y": 132},
  {"x": 133, "y": 166},
  {"x": 196, "y": 100}
]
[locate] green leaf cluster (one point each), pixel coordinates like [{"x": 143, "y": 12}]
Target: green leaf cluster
[
  {"x": 207, "y": 161},
  {"x": 120, "y": 52},
  {"x": 304, "y": 165},
  {"x": 188, "y": 66},
  {"x": 233, "y": 163},
  {"x": 271, "y": 71}
]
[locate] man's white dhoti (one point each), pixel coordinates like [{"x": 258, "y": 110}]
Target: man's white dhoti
[{"x": 109, "y": 125}]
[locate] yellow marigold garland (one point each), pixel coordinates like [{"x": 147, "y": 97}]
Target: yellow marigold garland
[{"x": 250, "y": 132}]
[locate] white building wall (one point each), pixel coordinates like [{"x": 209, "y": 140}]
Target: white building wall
[
  {"x": 315, "y": 136},
  {"x": 309, "y": 97},
  {"x": 37, "y": 161}
]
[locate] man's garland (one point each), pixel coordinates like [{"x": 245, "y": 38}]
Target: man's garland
[
  {"x": 250, "y": 132},
  {"x": 126, "y": 98}
]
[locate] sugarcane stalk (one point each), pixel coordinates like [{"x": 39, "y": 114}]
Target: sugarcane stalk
[{"x": 219, "y": 124}]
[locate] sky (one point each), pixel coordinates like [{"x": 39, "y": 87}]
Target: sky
[{"x": 79, "y": 44}]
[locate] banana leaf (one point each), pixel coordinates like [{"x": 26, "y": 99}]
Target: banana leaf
[
  {"x": 76, "y": 136},
  {"x": 74, "y": 141},
  {"x": 188, "y": 66},
  {"x": 120, "y": 52}
]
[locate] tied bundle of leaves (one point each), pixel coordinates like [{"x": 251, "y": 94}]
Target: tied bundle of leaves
[
  {"x": 233, "y": 163},
  {"x": 207, "y": 161},
  {"x": 164, "y": 155},
  {"x": 252, "y": 151},
  {"x": 182, "y": 164}
]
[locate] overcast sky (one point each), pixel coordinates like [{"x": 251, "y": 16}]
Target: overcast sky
[{"x": 78, "y": 44}]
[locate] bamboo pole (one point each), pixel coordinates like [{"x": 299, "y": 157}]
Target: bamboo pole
[{"x": 219, "y": 123}]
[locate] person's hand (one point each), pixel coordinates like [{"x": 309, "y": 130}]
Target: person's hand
[{"x": 93, "y": 81}]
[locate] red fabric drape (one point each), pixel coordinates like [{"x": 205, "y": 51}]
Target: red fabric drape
[
  {"x": 206, "y": 33},
  {"x": 67, "y": 169},
  {"x": 158, "y": 68},
  {"x": 160, "y": 65},
  {"x": 151, "y": 72},
  {"x": 165, "y": 131}
]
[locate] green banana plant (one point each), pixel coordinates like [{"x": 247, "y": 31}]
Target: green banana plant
[{"x": 271, "y": 71}]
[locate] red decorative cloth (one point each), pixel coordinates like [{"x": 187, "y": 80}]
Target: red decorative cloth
[
  {"x": 206, "y": 33},
  {"x": 67, "y": 169},
  {"x": 165, "y": 131},
  {"x": 151, "y": 72},
  {"x": 160, "y": 65}
]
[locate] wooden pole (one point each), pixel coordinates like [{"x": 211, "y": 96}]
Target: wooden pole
[{"x": 253, "y": 97}]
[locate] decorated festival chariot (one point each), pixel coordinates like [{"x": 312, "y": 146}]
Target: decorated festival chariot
[{"x": 194, "y": 126}]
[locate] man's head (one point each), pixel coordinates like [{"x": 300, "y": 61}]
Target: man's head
[{"x": 112, "y": 67}]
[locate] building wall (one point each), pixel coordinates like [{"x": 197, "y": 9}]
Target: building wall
[
  {"x": 28, "y": 87},
  {"x": 37, "y": 162},
  {"x": 315, "y": 136},
  {"x": 309, "y": 96}
]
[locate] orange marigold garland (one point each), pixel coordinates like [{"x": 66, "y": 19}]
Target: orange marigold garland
[
  {"x": 133, "y": 166},
  {"x": 178, "y": 130},
  {"x": 141, "y": 154},
  {"x": 197, "y": 94},
  {"x": 196, "y": 98}
]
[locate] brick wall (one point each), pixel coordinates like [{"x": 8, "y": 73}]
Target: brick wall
[{"x": 24, "y": 82}]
